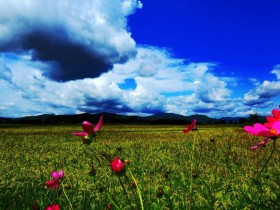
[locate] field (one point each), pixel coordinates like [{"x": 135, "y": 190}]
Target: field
[{"x": 211, "y": 168}]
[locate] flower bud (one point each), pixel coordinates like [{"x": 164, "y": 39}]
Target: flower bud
[{"x": 117, "y": 165}]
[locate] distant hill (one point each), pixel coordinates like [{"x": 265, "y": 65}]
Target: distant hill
[{"x": 161, "y": 118}]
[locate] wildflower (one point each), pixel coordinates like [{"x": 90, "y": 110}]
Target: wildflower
[
  {"x": 272, "y": 119},
  {"x": 260, "y": 130},
  {"x": 117, "y": 165},
  {"x": 54, "y": 183},
  {"x": 53, "y": 207},
  {"x": 89, "y": 131},
  {"x": 190, "y": 127},
  {"x": 57, "y": 175}
]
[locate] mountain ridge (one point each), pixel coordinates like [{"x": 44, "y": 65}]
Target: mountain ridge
[{"x": 160, "y": 118}]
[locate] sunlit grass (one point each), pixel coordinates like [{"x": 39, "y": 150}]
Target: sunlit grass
[{"x": 212, "y": 168}]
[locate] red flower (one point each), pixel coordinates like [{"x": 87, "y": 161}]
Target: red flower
[
  {"x": 190, "y": 127},
  {"x": 52, "y": 184},
  {"x": 53, "y": 207},
  {"x": 117, "y": 165},
  {"x": 272, "y": 119}
]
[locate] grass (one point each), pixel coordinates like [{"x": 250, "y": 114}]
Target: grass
[{"x": 212, "y": 168}]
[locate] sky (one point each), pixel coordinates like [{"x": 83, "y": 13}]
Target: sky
[{"x": 219, "y": 58}]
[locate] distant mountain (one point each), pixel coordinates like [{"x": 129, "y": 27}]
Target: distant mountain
[
  {"x": 161, "y": 118},
  {"x": 202, "y": 119}
]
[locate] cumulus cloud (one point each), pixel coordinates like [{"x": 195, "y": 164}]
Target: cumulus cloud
[
  {"x": 208, "y": 87},
  {"x": 168, "y": 85},
  {"x": 265, "y": 91},
  {"x": 75, "y": 40}
]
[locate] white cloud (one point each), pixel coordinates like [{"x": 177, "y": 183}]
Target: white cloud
[
  {"x": 276, "y": 71},
  {"x": 201, "y": 91},
  {"x": 265, "y": 92},
  {"x": 92, "y": 34}
]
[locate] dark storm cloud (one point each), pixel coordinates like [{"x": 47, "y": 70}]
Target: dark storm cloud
[
  {"x": 69, "y": 40},
  {"x": 68, "y": 60},
  {"x": 106, "y": 105}
]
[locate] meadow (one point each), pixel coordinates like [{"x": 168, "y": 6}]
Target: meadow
[{"x": 211, "y": 168}]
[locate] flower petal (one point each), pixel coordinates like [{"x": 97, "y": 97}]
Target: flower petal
[
  {"x": 276, "y": 113},
  {"x": 53, "y": 207},
  {"x": 80, "y": 134},
  {"x": 276, "y": 127},
  {"x": 254, "y": 147},
  {"x": 61, "y": 174},
  {"x": 55, "y": 175},
  {"x": 251, "y": 130},
  {"x": 87, "y": 127},
  {"x": 257, "y": 129},
  {"x": 99, "y": 124}
]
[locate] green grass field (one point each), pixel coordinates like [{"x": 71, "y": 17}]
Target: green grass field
[{"x": 212, "y": 168}]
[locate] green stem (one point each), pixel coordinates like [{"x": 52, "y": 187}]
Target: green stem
[
  {"x": 138, "y": 189},
  {"x": 268, "y": 159},
  {"x": 70, "y": 204},
  {"x": 112, "y": 201}
]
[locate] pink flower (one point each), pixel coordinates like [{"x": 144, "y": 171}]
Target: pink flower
[
  {"x": 260, "y": 130},
  {"x": 89, "y": 130},
  {"x": 54, "y": 183},
  {"x": 272, "y": 119},
  {"x": 117, "y": 165},
  {"x": 260, "y": 144},
  {"x": 190, "y": 127},
  {"x": 57, "y": 175},
  {"x": 53, "y": 207}
]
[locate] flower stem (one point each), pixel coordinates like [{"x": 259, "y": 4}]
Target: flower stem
[
  {"x": 113, "y": 202},
  {"x": 138, "y": 189},
  {"x": 268, "y": 159},
  {"x": 70, "y": 204}
]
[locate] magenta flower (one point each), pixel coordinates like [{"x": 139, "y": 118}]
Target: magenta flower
[
  {"x": 117, "y": 165},
  {"x": 272, "y": 119},
  {"x": 190, "y": 127},
  {"x": 57, "y": 175},
  {"x": 260, "y": 130},
  {"x": 54, "y": 183},
  {"x": 53, "y": 207},
  {"x": 89, "y": 131},
  {"x": 273, "y": 132}
]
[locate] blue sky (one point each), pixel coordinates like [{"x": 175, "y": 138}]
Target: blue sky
[{"x": 214, "y": 57}]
